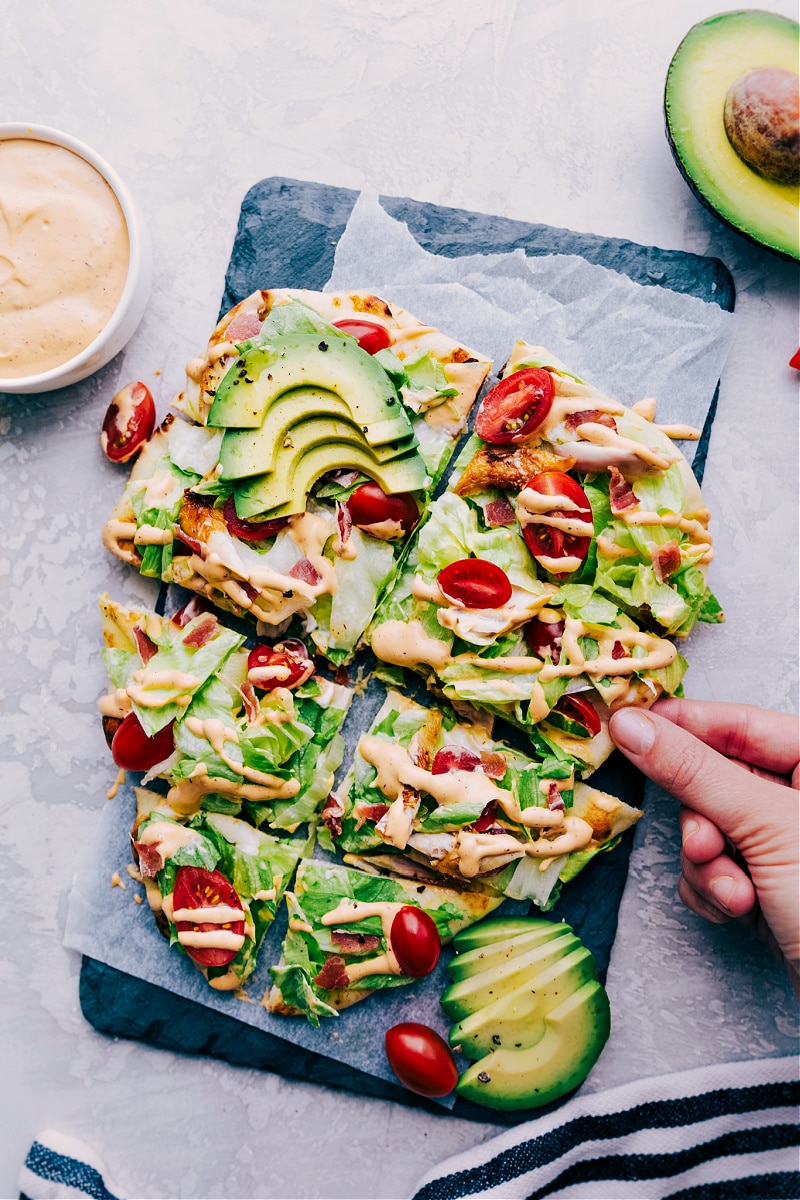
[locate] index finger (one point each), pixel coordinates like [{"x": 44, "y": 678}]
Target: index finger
[{"x": 753, "y": 735}]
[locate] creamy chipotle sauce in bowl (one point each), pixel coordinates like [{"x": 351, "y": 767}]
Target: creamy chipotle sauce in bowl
[{"x": 64, "y": 256}]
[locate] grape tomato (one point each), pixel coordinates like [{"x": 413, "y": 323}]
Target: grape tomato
[
  {"x": 370, "y": 335},
  {"x": 547, "y": 541},
  {"x": 133, "y": 750},
  {"x": 250, "y": 531},
  {"x": 415, "y": 941},
  {"x": 197, "y": 888},
  {"x": 286, "y": 664},
  {"x": 384, "y": 517},
  {"x": 475, "y": 583},
  {"x": 515, "y": 407},
  {"x": 421, "y": 1059}
]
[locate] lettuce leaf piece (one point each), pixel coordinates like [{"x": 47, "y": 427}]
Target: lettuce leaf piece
[
  {"x": 298, "y": 992},
  {"x": 359, "y": 584},
  {"x": 710, "y": 609}
]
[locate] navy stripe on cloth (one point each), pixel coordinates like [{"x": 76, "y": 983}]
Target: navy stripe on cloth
[
  {"x": 663, "y": 1114},
  {"x": 633, "y": 1167},
  {"x": 59, "y": 1168},
  {"x": 780, "y": 1185}
]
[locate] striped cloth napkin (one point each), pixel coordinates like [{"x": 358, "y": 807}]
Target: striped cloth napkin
[
  {"x": 62, "y": 1168},
  {"x": 718, "y": 1133}
]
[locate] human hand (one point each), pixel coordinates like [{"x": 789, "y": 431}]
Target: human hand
[{"x": 735, "y": 770}]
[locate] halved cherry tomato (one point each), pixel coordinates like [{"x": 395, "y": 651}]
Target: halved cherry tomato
[
  {"x": 454, "y": 758},
  {"x": 286, "y": 664},
  {"x": 515, "y": 407},
  {"x": 415, "y": 941},
  {"x": 133, "y": 750},
  {"x": 197, "y": 888},
  {"x": 544, "y": 637},
  {"x": 545, "y": 541},
  {"x": 384, "y": 517},
  {"x": 421, "y": 1060},
  {"x": 250, "y": 531},
  {"x": 575, "y": 715},
  {"x": 370, "y": 335},
  {"x": 128, "y": 423},
  {"x": 475, "y": 583}
]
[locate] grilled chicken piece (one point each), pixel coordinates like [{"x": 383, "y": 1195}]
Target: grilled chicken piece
[
  {"x": 198, "y": 517},
  {"x": 508, "y": 468}
]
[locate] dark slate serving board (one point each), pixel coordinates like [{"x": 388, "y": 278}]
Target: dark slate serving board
[{"x": 287, "y": 237}]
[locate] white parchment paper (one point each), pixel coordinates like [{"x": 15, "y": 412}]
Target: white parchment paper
[{"x": 632, "y": 341}]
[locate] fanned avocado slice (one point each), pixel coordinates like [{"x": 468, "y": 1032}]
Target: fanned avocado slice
[
  {"x": 468, "y": 995},
  {"x": 495, "y": 929},
  {"x": 716, "y": 54},
  {"x": 496, "y": 954},
  {"x": 296, "y": 422},
  {"x": 338, "y": 365},
  {"x": 284, "y": 491}
]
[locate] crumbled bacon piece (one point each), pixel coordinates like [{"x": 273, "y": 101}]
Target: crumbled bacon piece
[
  {"x": 191, "y": 609},
  {"x": 305, "y": 570},
  {"x": 555, "y": 801},
  {"x": 243, "y": 327},
  {"x": 618, "y": 650},
  {"x": 494, "y": 765},
  {"x": 620, "y": 492},
  {"x": 354, "y": 943},
  {"x": 666, "y": 560},
  {"x": 369, "y": 812},
  {"x": 344, "y": 521},
  {"x": 251, "y": 705},
  {"x": 150, "y": 860},
  {"x": 486, "y": 820},
  {"x": 332, "y": 814},
  {"x": 593, "y": 415},
  {"x": 144, "y": 645},
  {"x": 333, "y": 974},
  {"x": 499, "y": 512},
  {"x": 206, "y": 628}
]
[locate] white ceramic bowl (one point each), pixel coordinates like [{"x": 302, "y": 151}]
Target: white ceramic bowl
[{"x": 135, "y": 293}]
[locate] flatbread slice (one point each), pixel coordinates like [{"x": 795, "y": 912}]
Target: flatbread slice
[
  {"x": 236, "y": 748},
  {"x": 256, "y": 865},
  {"x": 316, "y": 563},
  {"x": 337, "y": 949},
  {"x": 431, "y": 790},
  {"x": 629, "y": 578}
]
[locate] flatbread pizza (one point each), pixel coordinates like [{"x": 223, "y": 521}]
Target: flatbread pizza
[{"x": 317, "y": 426}]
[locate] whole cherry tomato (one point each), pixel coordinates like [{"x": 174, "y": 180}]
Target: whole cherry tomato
[
  {"x": 128, "y": 423},
  {"x": 415, "y": 941},
  {"x": 421, "y": 1060},
  {"x": 133, "y": 750},
  {"x": 454, "y": 758},
  {"x": 198, "y": 888},
  {"x": 286, "y": 664},
  {"x": 475, "y": 583},
  {"x": 546, "y": 541},
  {"x": 578, "y": 716},
  {"x": 370, "y": 335},
  {"x": 515, "y": 407},
  {"x": 250, "y": 531},
  {"x": 385, "y": 517}
]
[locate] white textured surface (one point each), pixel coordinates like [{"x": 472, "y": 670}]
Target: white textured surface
[{"x": 546, "y": 110}]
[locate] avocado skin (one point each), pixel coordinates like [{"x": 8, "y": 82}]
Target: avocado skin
[
  {"x": 515, "y": 1021},
  {"x": 575, "y": 1033},
  {"x": 482, "y": 958},
  {"x": 776, "y": 230}
]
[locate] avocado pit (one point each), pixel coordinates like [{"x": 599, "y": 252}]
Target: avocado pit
[{"x": 762, "y": 121}]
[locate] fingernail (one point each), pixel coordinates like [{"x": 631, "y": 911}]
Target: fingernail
[
  {"x": 632, "y": 730},
  {"x": 690, "y": 828},
  {"x": 723, "y": 890}
]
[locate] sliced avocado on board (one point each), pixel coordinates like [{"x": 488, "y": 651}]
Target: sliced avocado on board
[
  {"x": 283, "y": 492},
  {"x": 574, "y": 1034},
  {"x": 468, "y": 995},
  {"x": 528, "y": 1008},
  {"x": 495, "y": 954},
  {"x": 740, "y": 69},
  {"x": 513, "y": 1020},
  {"x": 264, "y": 373}
]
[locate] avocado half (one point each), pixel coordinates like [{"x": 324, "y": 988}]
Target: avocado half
[{"x": 714, "y": 54}]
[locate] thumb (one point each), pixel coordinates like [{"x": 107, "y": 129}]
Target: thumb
[{"x": 703, "y": 780}]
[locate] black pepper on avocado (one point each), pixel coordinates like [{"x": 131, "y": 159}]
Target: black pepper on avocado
[
  {"x": 530, "y": 1010},
  {"x": 731, "y": 106}
]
